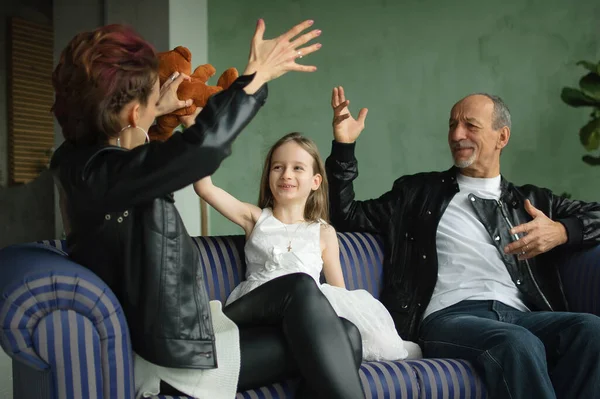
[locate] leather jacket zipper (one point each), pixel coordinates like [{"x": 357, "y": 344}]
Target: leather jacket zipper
[{"x": 516, "y": 237}]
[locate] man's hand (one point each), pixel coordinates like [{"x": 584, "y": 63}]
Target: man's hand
[
  {"x": 346, "y": 129},
  {"x": 541, "y": 235}
]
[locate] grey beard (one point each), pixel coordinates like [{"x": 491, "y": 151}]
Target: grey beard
[{"x": 466, "y": 163}]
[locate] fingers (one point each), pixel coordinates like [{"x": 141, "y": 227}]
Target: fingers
[
  {"x": 260, "y": 30},
  {"x": 336, "y": 96},
  {"x": 362, "y": 116},
  {"x": 176, "y": 78},
  {"x": 305, "y": 38},
  {"x": 185, "y": 103},
  {"x": 302, "y": 68},
  {"x": 340, "y": 107},
  {"x": 168, "y": 82},
  {"x": 528, "y": 255},
  {"x": 522, "y": 228},
  {"x": 340, "y": 118},
  {"x": 532, "y": 210},
  {"x": 334, "y": 100},
  {"x": 295, "y": 31},
  {"x": 306, "y": 50},
  {"x": 517, "y": 247}
]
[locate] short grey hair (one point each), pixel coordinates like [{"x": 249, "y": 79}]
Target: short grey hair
[{"x": 501, "y": 115}]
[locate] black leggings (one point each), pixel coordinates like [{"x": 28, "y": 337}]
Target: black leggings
[{"x": 288, "y": 328}]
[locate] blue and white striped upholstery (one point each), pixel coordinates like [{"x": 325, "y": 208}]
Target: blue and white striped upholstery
[
  {"x": 580, "y": 273},
  {"x": 361, "y": 257},
  {"x": 56, "y": 316}
]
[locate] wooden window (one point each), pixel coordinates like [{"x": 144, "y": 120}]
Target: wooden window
[{"x": 30, "y": 97}]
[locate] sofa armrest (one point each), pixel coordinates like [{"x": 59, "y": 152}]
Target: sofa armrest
[
  {"x": 58, "y": 316},
  {"x": 580, "y": 272}
]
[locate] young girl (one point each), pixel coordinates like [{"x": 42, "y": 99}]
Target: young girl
[{"x": 288, "y": 233}]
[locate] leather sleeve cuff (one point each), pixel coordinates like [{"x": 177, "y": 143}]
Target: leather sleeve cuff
[
  {"x": 574, "y": 230},
  {"x": 244, "y": 80},
  {"x": 343, "y": 152}
]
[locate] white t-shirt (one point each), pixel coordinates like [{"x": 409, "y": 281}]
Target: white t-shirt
[{"x": 469, "y": 265}]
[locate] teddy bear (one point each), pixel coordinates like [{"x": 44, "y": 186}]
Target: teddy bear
[{"x": 180, "y": 60}]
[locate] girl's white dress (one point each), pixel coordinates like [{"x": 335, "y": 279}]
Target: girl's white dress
[{"x": 267, "y": 257}]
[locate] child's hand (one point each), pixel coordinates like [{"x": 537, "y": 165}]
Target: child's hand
[
  {"x": 346, "y": 129},
  {"x": 189, "y": 120}
]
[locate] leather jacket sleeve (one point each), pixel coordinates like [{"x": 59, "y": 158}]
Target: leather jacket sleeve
[
  {"x": 348, "y": 214},
  {"x": 581, "y": 219},
  {"x": 113, "y": 179}
]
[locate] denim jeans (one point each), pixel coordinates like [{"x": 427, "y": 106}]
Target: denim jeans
[{"x": 520, "y": 355}]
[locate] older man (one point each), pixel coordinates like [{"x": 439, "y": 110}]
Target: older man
[{"x": 470, "y": 261}]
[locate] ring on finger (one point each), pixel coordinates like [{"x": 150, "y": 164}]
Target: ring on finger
[
  {"x": 173, "y": 77},
  {"x": 299, "y": 54}
]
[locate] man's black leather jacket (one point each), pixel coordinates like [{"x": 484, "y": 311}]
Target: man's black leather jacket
[
  {"x": 407, "y": 217},
  {"x": 125, "y": 227}
]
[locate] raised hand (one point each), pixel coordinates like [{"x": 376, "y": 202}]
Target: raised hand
[
  {"x": 272, "y": 58},
  {"x": 168, "y": 101},
  {"x": 541, "y": 235},
  {"x": 346, "y": 129}
]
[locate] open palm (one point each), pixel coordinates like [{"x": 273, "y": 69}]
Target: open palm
[{"x": 346, "y": 129}]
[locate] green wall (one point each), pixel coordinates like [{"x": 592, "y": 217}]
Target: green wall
[{"x": 409, "y": 62}]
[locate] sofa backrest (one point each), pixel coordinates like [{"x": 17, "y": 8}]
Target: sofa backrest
[
  {"x": 222, "y": 257},
  {"x": 361, "y": 255}
]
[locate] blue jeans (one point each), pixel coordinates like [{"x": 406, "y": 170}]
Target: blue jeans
[{"x": 521, "y": 355}]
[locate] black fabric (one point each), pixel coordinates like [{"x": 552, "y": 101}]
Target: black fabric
[
  {"x": 407, "y": 217},
  {"x": 126, "y": 229},
  {"x": 289, "y": 329},
  {"x": 267, "y": 359},
  {"x": 313, "y": 334}
]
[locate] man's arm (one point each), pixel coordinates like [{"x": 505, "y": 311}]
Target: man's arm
[
  {"x": 581, "y": 219},
  {"x": 347, "y": 214},
  {"x": 570, "y": 222}
]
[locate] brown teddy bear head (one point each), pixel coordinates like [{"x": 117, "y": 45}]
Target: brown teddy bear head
[{"x": 180, "y": 60}]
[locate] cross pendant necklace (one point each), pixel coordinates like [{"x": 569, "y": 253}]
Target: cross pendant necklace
[{"x": 289, "y": 247}]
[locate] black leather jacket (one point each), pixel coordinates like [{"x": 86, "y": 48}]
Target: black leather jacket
[
  {"x": 125, "y": 227},
  {"x": 407, "y": 217}
]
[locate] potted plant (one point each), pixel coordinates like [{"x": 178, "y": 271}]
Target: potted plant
[{"x": 588, "y": 95}]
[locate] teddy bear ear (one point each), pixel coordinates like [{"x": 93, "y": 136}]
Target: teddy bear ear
[{"x": 185, "y": 53}]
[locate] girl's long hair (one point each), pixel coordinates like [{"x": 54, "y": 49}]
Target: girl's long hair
[{"x": 317, "y": 204}]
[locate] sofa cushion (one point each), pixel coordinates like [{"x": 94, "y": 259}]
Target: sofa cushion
[{"x": 411, "y": 379}]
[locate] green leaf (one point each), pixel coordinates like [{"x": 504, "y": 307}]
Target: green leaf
[
  {"x": 590, "y": 160},
  {"x": 576, "y": 98},
  {"x": 590, "y": 66},
  {"x": 590, "y": 86},
  {"x": 590, "y": 135}
]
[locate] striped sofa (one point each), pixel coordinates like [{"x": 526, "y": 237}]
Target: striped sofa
[{"x": 68, "y": 337}]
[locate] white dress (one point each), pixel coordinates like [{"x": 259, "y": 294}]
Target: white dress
[{"x": 267, "y": 257}]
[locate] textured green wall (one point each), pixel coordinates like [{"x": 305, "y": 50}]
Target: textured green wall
[{"x": 409, "y": 62}]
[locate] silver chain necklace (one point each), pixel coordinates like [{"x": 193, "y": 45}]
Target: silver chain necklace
[{"x": 289, "y": 247}]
